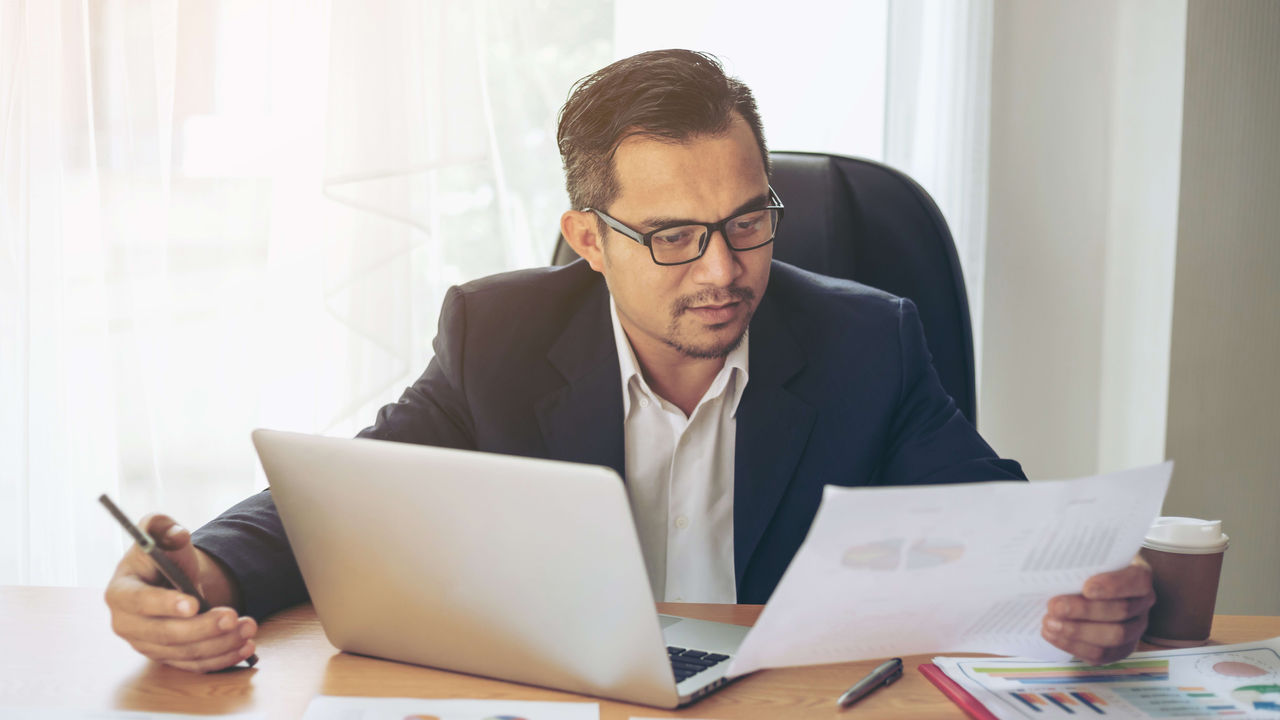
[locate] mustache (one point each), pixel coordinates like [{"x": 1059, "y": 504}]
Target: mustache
[{"x": 733, "y": 293}]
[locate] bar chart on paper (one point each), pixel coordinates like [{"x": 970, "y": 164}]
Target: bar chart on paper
[
  {"x": 1133, "y": 671},
  {"x": 1241, "y": 681}
]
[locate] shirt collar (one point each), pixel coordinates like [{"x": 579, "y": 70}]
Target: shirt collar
[{"x": 735, "y": 368}]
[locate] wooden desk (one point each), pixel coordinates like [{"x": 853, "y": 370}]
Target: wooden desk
[{"x": 57, "y": 650}]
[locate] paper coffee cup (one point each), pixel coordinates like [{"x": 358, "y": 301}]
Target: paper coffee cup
[{"x": 1185, "y": 555}]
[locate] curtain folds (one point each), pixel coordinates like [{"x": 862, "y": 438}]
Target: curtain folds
[
  {"x": 938, "y": 120},
  {"x": 216, "y": 216},
  {"x": 220, "y": 216}
]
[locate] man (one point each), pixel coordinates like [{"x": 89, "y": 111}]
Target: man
[{"x": 727, "y": 389}]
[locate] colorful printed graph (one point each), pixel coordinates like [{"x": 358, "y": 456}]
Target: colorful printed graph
[
  {"x": 1131, "y": 671},
  {"x": 888, "y": 555},
  {"x": 1259, "y": 697},
  {"x": 931, "y": 552},
  {"x": 1258, "y": 667},
  {"x": 878, "y": 555},
  {"x": 1235, "y": 668},
  {"x": 1177, "y": 702},
  {"x": 1069, "y": 702}
]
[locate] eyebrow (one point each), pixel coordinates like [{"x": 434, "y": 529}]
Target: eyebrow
[{"x": 660, "y": 221}]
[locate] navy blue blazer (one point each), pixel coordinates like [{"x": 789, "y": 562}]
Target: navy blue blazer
[{"x": 841, "y": 391}]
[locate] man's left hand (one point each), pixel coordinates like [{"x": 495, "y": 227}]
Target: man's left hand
[{"x": 1102, "y": 624}]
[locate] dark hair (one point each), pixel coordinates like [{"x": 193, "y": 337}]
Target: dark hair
[{"x": 672, "y": 94}]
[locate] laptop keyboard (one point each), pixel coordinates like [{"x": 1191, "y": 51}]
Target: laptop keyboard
[{"x": 687, "y": 663}]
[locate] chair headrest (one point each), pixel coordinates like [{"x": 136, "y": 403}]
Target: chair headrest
[{"x": 817, "y": 232}]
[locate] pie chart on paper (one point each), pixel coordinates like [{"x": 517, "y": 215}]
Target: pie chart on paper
[
  {"x": 931, "y": 552},
  {"x": 878, "y": 555},
  {"x": 888, "y": 554}
]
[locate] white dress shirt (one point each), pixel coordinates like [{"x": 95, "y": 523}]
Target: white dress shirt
[{"x": 680, "y": 478}]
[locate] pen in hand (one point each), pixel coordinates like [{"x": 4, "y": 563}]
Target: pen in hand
[
  {"x": 884, "y": 674},
  {"x": 167, "y": 567}
]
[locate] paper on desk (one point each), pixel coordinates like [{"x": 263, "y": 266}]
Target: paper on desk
[
  {"x": 1220, "y": 680},
  {"x": 906, "y": 570},
  {"x": 328, "y": 707}
]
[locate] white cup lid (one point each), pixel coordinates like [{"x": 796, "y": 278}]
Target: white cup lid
[{"x": 1186, "y": 535}]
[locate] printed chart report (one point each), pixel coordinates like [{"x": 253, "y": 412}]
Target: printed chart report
[
  {"x": 1229, "y": 681},
  {"x": 907, "y": 570}
]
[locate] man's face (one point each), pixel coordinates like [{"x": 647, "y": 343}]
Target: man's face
[{"x": 699, "y": 309}]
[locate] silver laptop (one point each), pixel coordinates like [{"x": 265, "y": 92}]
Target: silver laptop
[{"x": 513, "y": 568}]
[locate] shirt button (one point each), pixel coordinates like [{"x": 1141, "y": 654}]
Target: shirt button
[
  {"x": 682, "y": 522},
  {"x": 644, "y": 402}
]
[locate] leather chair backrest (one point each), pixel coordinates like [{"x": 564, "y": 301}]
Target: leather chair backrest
[{"x": 862, "y": 220}]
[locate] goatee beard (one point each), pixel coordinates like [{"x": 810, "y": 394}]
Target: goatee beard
[{"x": 733, "y": 293}]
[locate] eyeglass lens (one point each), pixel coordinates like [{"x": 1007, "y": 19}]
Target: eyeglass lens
[{"x": 686, "y": 242}]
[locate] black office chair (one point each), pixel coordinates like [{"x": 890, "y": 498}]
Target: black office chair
[{"x": 861, "y": 220}]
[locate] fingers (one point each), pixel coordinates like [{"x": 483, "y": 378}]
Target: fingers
[
  {"x": 165, "y": 624},
  {"x": 1103, "y": 623},
  {"x": 213, "y": 653},
  {"x": 1133, "y": 581},
  {"x": 1094, "y": 642},
  {"x": 1078, "y": 607},
  {"x": 211, "y": 641},
  {"x": 218, "y": 663},
  {"x": 175, "y": 540},
  {"x": 175, "y": 631},
  {"x": 166, "y": 531},
  {"x": 130, "y": 594}
]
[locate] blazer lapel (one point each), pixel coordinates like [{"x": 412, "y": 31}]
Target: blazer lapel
[
  {"x": 582, "y": 420},
  {"x": 773, "y": 429}
]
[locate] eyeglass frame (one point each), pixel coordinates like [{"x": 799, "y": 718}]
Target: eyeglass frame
[{"x": 646, "y": 239}]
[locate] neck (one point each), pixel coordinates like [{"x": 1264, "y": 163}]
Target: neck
[{"x": 677, "y": 378}]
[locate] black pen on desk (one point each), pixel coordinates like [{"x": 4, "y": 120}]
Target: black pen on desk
[
  {"x": 884, "y": 674},
  {"x": 168, "y": 568}
]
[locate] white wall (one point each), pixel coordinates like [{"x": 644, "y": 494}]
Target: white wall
[
  {"x": 1133, "y": 257},
  {"x": 1224, "y": 390},
  {"x": 1053, "y": 67},
  {"x": 1085, "y": 135},
  {"x": 773, "y": 51},
  {"x": 1142, "y": 218}
]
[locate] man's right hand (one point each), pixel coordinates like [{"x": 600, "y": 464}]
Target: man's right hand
[{"x": 165, "y": 624}]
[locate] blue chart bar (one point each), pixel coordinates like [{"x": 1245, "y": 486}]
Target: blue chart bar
[
  {"x": 1026, "y": 702},
  {"x": 1087, "y": 699},
  {"x": 1059, "y": 703}
]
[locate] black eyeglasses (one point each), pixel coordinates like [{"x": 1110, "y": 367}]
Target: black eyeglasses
[{"x": 680, "y": 244}]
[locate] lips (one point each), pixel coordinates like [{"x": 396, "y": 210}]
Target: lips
[{"x": 715, "y": 314}]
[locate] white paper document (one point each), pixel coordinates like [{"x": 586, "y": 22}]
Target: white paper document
[
  {"x": 969, "y": 568},
  {"x": 331, "y": 707},
  {"x": 1215, "y": 681}
]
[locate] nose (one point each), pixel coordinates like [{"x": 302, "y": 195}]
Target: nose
[{"x": 719, "y": 265}]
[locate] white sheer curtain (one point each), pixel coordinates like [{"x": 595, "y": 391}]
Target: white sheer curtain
[
  {"x": 938, "y": 120},
  {"x": 221, "y": 215}
]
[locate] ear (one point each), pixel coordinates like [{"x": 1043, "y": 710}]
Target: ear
[{"x": 581, "y": 230}]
